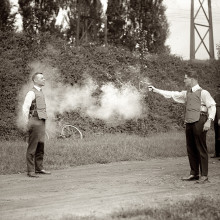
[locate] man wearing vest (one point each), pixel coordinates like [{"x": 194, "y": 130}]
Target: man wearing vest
[
  {"x": 34, "y": 113},
  {"x": 217, "y": 124},
  {"x": 200, "y": 111}
]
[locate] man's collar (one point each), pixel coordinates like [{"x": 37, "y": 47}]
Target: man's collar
[
  {"x": 37, "y": 87},
  {"x": 195, "y": 88}
]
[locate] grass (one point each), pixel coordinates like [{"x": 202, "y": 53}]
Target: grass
[
  {"x": 200, "y": 208},
  {"x": 107, "y": 148}
]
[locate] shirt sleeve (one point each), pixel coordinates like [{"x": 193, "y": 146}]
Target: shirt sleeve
[
  {"x": 179, "y": 97},
  {"x": 209, "y": 102},
  {"x": 27, "y": 104}
]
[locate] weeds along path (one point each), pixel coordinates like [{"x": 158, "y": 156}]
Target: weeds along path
[{"x": 102, "y": 189}]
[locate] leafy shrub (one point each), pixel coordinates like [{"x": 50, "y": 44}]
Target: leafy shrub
[{"x": 116, "y": 65}]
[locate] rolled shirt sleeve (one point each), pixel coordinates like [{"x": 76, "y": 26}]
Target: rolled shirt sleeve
[
  {"x": 26, "y": 106},
  {"x": 209, "y": 102},
  {"x": 179, "y": 97}
]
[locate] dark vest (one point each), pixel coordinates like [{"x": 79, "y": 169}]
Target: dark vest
[
  {"x": 38, "y": 105},
  {"x": 193, "y": 105}
]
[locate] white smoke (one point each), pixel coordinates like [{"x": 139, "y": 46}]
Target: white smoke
[
  {"x": 124, "y": 103},
  {"x": 62, "y": 98},
  {"x": 111, "y": 103}
]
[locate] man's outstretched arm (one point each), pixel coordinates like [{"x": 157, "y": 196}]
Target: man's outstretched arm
[{"x": 179, "y": 97}]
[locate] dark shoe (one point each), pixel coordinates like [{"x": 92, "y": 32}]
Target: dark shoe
[
  {"x": 190, "y": 178},
  {"x": 203, "y": 179},
  {"x": 42, "y": 172},
  {"x": 32, "y": 174}
]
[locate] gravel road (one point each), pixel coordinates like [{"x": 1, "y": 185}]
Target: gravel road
[{"x": 101, "y": 189}]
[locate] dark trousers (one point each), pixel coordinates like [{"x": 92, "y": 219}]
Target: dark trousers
[
  {"x": 196, "y": 146},
  {"x": 217, "y": 139},
  {"x": 35, "y": 150}
]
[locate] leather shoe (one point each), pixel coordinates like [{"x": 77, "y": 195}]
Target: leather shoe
[
  {"x": 203, "y": 179},
  {"x": 32, "y": 174},
  {"x": 42, "y": 172},
  {"x": 190, "y": 178}
]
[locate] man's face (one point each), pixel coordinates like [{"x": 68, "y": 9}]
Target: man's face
[
  {"x": 187, "y": 81},
  {"x": 39, "y": 80}
]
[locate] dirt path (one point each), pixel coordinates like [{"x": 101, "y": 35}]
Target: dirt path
[{"x": 101, "y": 189}]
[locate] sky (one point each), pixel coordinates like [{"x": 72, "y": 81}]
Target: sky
[{"x": 178, "y": 15}]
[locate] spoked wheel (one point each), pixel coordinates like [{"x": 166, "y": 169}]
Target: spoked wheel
[
  {"x": 70, "y": 131},
  {"x": 47, "y": 135}
]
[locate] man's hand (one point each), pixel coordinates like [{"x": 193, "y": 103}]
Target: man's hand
[
  {"x": 207, "y": 125},
  {"x": 218, "y": 122},
  {"x": 151, "y": 88}
]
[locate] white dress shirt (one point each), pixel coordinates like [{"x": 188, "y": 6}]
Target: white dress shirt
[
  {"x": 207, "y": 102},
  {"x": 27, "y": 103}
]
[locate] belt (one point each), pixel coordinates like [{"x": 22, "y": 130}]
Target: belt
[{"x": 201, "y": 113}]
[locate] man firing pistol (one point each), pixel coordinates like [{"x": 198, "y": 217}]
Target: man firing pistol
[{"x": 200, "y": 112}]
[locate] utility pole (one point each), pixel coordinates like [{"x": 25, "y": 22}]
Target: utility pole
[
  {"x": 78, "y": 23},
  {"x": 194, "y": 28},
  {"x": 106, "y": 30}
]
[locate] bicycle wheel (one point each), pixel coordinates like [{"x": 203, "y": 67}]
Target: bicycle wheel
[
  {"x": 70, "y": 131},
  {"x": 47, "y": 134}
]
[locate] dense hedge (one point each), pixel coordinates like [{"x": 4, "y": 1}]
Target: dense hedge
[{"x": 103, "y": 65}]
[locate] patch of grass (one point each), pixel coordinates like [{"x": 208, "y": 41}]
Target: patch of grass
[
  {"x": 107, "y": 148},
  {"x": 201, "y": 208},
  {"x": 12, "y": 156}
]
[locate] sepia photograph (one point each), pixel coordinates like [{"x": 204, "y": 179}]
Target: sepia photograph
[{"x": 110, "y": 109}]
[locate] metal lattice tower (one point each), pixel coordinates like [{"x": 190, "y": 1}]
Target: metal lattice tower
[{"x": 194, "y": 28}]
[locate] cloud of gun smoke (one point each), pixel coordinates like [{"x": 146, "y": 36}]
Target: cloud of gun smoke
[
  {"x": 65, "y": 98},
  {"x": 120, "y": 103},
  {"x": 124, "y": 102}
]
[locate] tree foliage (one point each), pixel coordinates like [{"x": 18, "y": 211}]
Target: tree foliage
[
  {"x": 4, "y": 13},
  {"x": 84, "y": 19},
  {"x": 130, "y": 23},
  {"x": 116, "y": 13},
  {"x": 6, "y": 18},
  {"x": 135, "y": 22},
  {"x": 38, "y": 15}
]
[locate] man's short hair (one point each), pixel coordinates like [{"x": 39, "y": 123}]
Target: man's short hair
[
  {"x": 192, "y": 74},
  {"x": 35, "y": 74}
]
